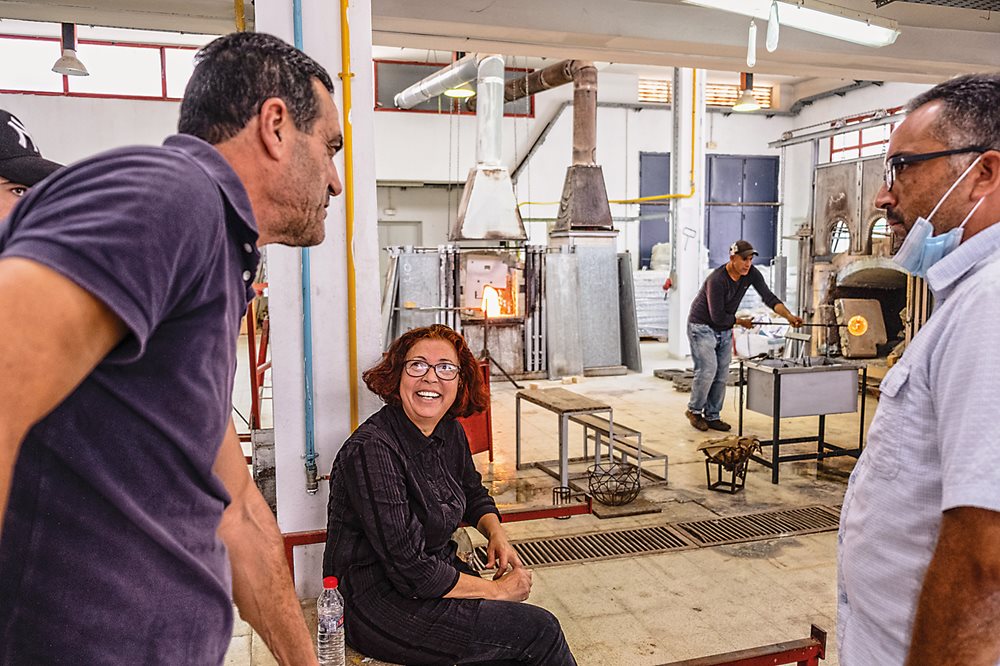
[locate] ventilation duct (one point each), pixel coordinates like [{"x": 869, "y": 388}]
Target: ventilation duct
[{"x": 488, "y": 210}]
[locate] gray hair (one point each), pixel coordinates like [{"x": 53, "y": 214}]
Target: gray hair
[{"x": 970, "y": 115}]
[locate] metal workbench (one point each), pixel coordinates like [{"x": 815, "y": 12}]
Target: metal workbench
[
  {"x": 564, "y": 404},
  {"x": 782, "y": 388}
]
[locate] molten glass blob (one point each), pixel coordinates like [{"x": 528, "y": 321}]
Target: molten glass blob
[{"x": 857, "y": 325}]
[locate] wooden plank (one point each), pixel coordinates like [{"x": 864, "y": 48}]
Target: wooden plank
[
  {"x": 562, "y": 401},
  {"x": 600, "y": 424}
]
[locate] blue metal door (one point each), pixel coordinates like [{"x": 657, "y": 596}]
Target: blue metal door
[
  {"x": 654, "y": 217},
  {"x": 741, "y": 202}
]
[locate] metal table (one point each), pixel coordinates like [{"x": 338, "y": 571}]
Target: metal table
[
  {"x": 815, "y": 386},
  {"x": 565, "y": 404}
]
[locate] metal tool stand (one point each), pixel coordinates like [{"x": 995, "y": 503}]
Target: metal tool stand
[
  {"x": 485, "y": 355},
  {"x": 824, "y": 449},
  {"x": 565, "y": 404}
]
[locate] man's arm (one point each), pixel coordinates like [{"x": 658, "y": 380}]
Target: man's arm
[
  {"x": 262, "y": 584},
  {"x": 959, "y": 604},
  {"x": 55, "y": 334},
  {"x": 787, "y": 314},
  {"x": 770, "y": 299}
]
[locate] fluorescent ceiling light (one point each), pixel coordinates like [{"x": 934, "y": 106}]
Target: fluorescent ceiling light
[
  {"x": 815, "y": 16},
  {"x": 461, "y": 92}
]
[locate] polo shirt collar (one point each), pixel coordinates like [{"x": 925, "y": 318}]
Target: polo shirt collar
[
  {"x": 979, "y": 250},
  {"x": 216, "y": 166}
]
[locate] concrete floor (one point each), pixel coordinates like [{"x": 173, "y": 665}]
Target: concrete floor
[{"x": 653, "y": 609}]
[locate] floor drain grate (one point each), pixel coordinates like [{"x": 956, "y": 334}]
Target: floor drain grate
[
  {"x": 599, "y": 546},
  {"x": 676, "y": 536},
  {"x": 767, "y": 525}
]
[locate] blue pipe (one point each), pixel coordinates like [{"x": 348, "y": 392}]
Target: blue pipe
[{"x": 311, "y": 483}]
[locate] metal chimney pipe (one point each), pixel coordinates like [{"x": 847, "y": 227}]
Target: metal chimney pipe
[
  {"x": 459, "y": 72},
  {"x": 541, "y": 79},
  {"x": 489, "y": 113},
  {"x": 585, "y": 114}
]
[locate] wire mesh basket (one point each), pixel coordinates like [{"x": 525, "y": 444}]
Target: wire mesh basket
[{"x": 613, "y": 484}]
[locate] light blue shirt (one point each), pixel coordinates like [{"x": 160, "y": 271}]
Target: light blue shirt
[{"x": 933, "y": 445}]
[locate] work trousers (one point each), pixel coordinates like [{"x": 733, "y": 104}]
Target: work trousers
[{"x": 712, "y": 351}]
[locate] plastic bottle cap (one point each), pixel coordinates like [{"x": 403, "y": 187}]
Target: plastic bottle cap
[{"x": 330, "y": 583}]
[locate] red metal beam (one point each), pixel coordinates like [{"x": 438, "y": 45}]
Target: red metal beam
[
  {"x": 310, "y": 537},
  {"x": 804, "y": 652}
]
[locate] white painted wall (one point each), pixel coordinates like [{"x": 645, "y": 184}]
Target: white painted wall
[{"x": 68, "y": 129}]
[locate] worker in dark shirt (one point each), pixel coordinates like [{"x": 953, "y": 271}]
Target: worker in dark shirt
[{"x": 710, "y": 331}]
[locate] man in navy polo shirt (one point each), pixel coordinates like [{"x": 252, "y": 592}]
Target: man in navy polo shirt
[{"x": 131, "y": 524}]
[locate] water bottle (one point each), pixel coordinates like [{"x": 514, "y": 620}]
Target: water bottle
[{"x": 330, "y": 625}]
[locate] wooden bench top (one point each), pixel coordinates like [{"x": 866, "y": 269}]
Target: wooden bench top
[
  {"x": 601, "y": 424},
  {"x": 562, "y": 401}
]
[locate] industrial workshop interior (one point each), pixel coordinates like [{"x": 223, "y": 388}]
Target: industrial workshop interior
[{"x": 555, "y": 181}]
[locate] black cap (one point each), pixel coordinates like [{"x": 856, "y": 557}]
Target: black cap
[
  {"x": 20, "y": 161},
  {"x": 742, "y": 248}
]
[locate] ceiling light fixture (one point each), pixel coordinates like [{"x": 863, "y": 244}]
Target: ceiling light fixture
[
  {"x": 463, "y": 91},
  {"x": 752, "y": 45},
  {"x": 746, "y": 101},
  {"x": 814, "y": 16},
  {"x": 68, "y": 63}
]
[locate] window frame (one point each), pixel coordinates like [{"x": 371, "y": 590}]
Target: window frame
[
  {"x": 458, "y": 107},
  {"x": 66, "y": 88},
  {"x": 861, "y": 144}
]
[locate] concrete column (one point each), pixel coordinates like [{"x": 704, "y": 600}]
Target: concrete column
[
  {"x": 297, "y": 509},
  {"x": 687, "y": 225}
]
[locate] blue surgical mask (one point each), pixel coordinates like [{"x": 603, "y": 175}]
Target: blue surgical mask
[{"x": 922, "y": 249}]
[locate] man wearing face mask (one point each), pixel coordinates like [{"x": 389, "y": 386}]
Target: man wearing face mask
[{"x": 919, "y": 560}]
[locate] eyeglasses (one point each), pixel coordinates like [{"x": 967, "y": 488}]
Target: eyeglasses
[
  {"x": 894, "y": 163},
  {"x": 444, "y": 371}
]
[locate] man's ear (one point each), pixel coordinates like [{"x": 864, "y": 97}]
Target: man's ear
[
  {"x": 275, "y": 127},
  {"x": 988, "y": 175}
]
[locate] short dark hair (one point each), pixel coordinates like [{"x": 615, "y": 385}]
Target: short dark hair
[
  {"x": 969, "y": 116},
  {"x": 236, "y": 73},
  {"x": 383, "y": 379}
]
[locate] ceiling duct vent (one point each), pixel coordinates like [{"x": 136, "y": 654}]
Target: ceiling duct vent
[
  {"x": 584, "y": 203},
  {"x": 488, "y": 210}
]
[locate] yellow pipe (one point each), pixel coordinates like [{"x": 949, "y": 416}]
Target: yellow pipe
[
  {"x": 352, "y": 299},
  {"x": 241, "y": 19},
  {"x": 657, "y": 197}
]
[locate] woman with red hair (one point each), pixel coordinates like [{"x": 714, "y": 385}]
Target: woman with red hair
[{"x": 400, "y": 486}]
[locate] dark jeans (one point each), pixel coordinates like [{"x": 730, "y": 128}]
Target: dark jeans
[
  {"x": 512, "y": 633},
  {"x": 711, "y": 351}
]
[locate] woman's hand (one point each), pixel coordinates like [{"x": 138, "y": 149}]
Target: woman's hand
[
  {"x": 499, "y": 552},
  {"x": 512, "y": 585}
]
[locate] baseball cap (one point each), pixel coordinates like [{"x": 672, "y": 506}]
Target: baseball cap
[
  {"x": 20, "y": 161},
  {"x": 742, "y": 248}
]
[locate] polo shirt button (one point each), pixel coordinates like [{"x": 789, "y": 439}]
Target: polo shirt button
[
  {"x": 246, "y": 275},
  {"x": 248, "y": 248}
]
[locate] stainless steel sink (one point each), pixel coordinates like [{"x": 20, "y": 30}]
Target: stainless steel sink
[{"x": 809, "y": 387}]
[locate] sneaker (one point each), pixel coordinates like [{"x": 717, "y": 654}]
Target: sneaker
[
  {"x": 696, "y": 420},
  {"x": 718, "y": 424}
]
